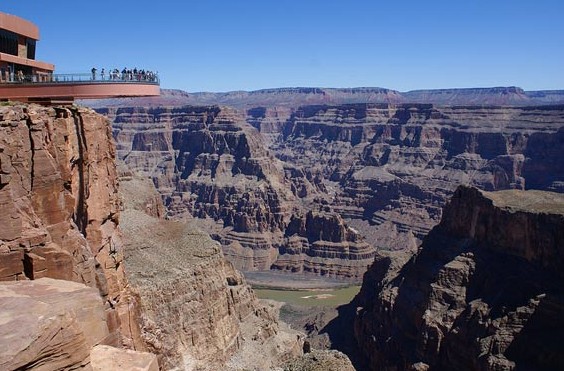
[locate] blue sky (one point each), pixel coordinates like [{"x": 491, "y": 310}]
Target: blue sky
[{"x": 213, "y": 45}]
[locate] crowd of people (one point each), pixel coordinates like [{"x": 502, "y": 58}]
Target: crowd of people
[{"x": 125, "y": 74}]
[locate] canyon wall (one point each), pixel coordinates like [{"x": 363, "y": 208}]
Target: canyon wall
[
  {"x": 58, "y": 193},
  {"x": 209, "y": 163},
  {"x": 389, "y": 169},
  {"x": 382, "y": 172},
  {"x": 321, "y": 188},
  {"x": 59, "y": 223},
  {"x": 197, "y": 312},
  {"x": 484, "y": 292},
  {"x": 63, "y": 231}
]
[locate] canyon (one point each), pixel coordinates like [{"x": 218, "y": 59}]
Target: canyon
[
  {"x": 196, "y": 310},
  {"x": 362, "y": 190},
  {"x": 319, "y": 189},
  {"x": 67, "y": 300},
  {"x": 207, "y": 163},
  {"x": 124, "y": 231}
]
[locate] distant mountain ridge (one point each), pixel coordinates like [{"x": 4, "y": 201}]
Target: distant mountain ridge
[{"x": 300, "y": 96}]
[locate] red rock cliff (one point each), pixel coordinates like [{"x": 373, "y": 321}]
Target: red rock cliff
[{"x": 58, "y": 196}]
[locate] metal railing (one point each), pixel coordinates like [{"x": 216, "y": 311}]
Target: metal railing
[{"x": 66, "y": 78}]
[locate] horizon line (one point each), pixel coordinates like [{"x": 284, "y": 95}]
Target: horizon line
[{"x": 363, "y": 87}]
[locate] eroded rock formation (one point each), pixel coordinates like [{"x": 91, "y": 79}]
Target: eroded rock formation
[
  {"x": 58, "y": 193},
  {"x": 197, "y": 310},
  {"x": 484, "y": 292},
  {"x": 382, "y": 170},
  {"x": 49, "y": 324},
  {"x": 322, "y": 243},
  {"x": 59, "y": 223},
  {"x": 209, "y": 163},
  {"x": 394, "y": 167}
]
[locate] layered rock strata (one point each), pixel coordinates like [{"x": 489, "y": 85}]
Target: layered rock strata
[
  {"x": 197, "y": 310},
  {"x": 49, "y": 324},
  {"x": 322, "y": 243},
  {"x": 207, "y": 162},
  {"x": 387, "y": 170},
  {"x": 59, "y": 190},
  {"x": 59, "y": 219},
  {"x": 484, "y": 292},
  {"x": 391, "y": 168}
]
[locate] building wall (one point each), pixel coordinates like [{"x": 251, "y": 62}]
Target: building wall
[
  {"x": 22, "y": 47},
  {"x": 19, "y": 25}
]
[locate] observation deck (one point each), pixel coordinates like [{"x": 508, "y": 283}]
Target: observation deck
[
  {"x": 65, "y": 88},
  {"x": 26, "y": 79}
]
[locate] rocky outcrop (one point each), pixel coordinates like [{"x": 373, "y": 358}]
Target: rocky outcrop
[
  {"x": 320, "y": 360},
  {"x": 54, "y": 208},
  {"x": 322, "y": 243},
  {"x": 196, "y": 309},
  {"x": 59, "y": 219},
  {"x": 483, "y": 293},
  {"x": 49, "y": 324}
]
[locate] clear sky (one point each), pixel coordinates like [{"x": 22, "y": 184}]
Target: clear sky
[{"x": 213, "y": 45}]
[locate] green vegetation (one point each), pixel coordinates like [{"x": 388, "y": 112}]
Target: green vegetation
[{"x": 314, "y": 297}]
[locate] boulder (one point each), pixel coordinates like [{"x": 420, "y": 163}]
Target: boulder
[{"x": 49, "y": 324}]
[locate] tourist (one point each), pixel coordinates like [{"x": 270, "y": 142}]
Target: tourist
[
  {"x": 93, "y": 70},
  {"x": 127, "y": 74}
]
